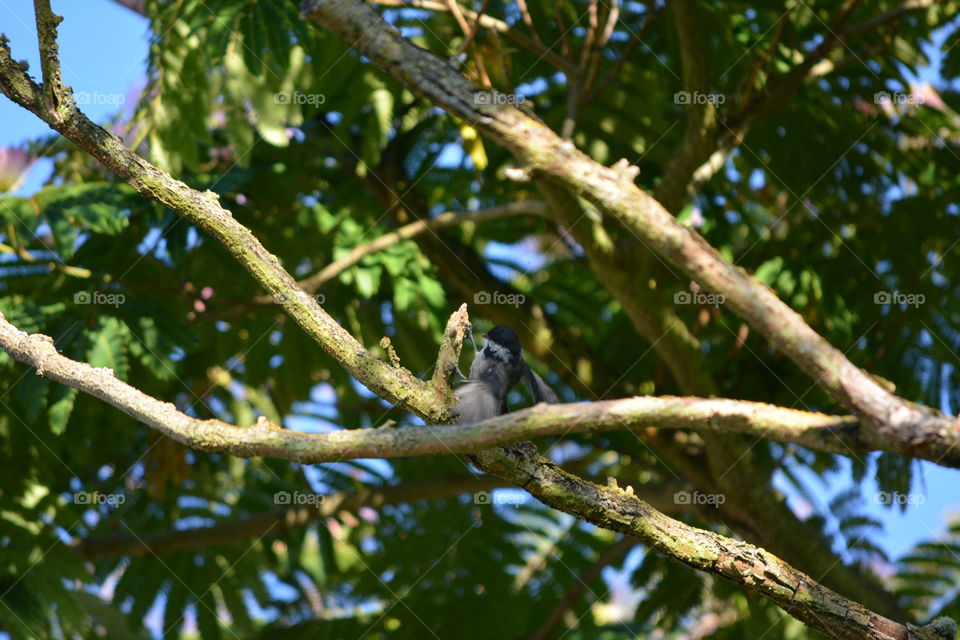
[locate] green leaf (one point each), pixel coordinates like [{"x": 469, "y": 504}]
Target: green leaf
[
  {"x": 61, "y": 406},
  {"x": 768, "y": 271},
  {"x": 107, "y": 348},
  {"x": 432, "y": 292},
  {"x": 377, "y": 128},
  {"x": 100, "y": 207},
  {"x": 31, "y": 396},
  {"x": 403, "y": 293},
  {"x": 368, "y": 280}
]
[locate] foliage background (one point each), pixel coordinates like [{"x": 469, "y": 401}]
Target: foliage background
[{"x": 830, "y": 200}]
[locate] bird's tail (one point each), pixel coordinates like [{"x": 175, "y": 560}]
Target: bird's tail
[{"x": 538, "y": 388}]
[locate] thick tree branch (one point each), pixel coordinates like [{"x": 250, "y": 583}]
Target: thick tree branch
[
  {"x": 833, "y": 434},
  {"x": 700, "y": 110},
  {"x": 550, "y": 156},
  {"x": 921, "y": 431},
  {"x": 618, "y": 510},
  {"x": 532, "y": 45},
  {"x": 893, "y": 15},
  {"x": 395, "y": 384},
  {"x": 752, "y": 567}
]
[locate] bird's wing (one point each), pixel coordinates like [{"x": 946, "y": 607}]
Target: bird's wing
[
  {"x": 476, "y": 402},
  {"x": 538, "y": 388}
]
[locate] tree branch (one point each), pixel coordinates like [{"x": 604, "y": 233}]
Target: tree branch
[
  {"x": 617, "y": 266},
  {"x": 448, "y": 356},
  {"x": 540, "y": 148},
  {"x": 395, "y": 384},
  {"x": 922, "y": 431},
  {"x": 618, "y": 510},
  {"x": 740, "y": 562},
  {"x": 531, "y": 44},
  {"x": 56, "y": 100},
  {"x": 833, "y": 434},
  {"x": 701, "y": 115}
]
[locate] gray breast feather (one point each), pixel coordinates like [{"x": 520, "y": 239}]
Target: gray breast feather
[{"x": 476, "y": 401}]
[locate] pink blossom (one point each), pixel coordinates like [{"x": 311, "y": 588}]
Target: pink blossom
[
  {"x": 368, "y": 514},
  {"x": 925, "y": 94},
  {"x": 14, "y": 165},
  {"x": 696, "y": 218}
]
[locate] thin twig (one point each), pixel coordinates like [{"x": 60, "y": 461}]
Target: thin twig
[{"x": 527, "y": 20}]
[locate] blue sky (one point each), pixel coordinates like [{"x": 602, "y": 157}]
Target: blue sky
[{"x": 103, "y": 48}]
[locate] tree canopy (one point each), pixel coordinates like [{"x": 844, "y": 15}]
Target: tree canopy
[{"x": 231, "y": 322}]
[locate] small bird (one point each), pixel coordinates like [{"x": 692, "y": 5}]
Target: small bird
[{"x": 495, "y": 371}]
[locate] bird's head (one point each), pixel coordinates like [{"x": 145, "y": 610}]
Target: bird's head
[{"x": 504, "y": 336}]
